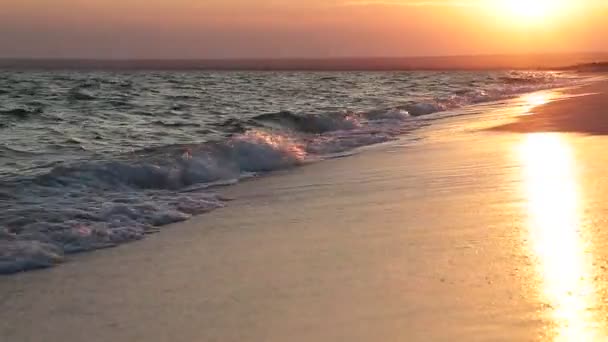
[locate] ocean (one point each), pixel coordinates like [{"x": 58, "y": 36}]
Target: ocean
[{"x": 91, "y": 160}]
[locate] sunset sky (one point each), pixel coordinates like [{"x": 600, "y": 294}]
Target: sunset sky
[{"x": 298, "y": 28}]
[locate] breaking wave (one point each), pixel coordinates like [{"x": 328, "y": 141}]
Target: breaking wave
[
  {"x": 98, "y": 204},
  {"x": 100, "y": 201}
]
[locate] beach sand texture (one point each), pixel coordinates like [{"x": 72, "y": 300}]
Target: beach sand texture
[{"x": 467, "y": 234}]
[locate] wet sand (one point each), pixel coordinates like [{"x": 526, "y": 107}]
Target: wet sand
[
  {"x": 468, "y": 234},
  {"x": 586, "y": 115}
]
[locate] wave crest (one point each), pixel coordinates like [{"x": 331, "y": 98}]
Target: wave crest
[{"x": 311, "y": 123}]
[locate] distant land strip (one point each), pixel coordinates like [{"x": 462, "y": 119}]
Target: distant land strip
[{"x": 590, "y": 61}]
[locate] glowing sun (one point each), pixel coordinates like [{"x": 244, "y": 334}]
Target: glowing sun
[{"x": 531, "y": 11}]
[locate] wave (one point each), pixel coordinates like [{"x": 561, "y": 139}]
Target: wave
[
  {"x": 181, "y": 97},
  {"x": 527, "y": 77},
  {"x": 21, "y": 113},
  {"x": 175, "y": 167},
  {"x": 120, "y": 103},
  {"x": 176, "y": 124},
  {"x": 12, "y": 152},
  {"x": 311, "y": 123},
  {"x": 95, "y": 205},
  {"x": 99, "y": 203},
  {"x": 78, "y": 94}
]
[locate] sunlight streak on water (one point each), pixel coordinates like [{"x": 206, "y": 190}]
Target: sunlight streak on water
[{"x": 553, "y": 196}]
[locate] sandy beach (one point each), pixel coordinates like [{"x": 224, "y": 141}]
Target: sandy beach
[{"x": 469, "y": 233}]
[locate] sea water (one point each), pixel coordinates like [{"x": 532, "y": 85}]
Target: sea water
[{"x": 90, "y": 160}]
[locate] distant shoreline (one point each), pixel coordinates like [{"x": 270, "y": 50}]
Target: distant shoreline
[{"x": 463, "y": 63}]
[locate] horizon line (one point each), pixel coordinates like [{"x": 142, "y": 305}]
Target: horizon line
[
  {"x": 298, "y": 58},
  {"x": 535, "y": 61}
]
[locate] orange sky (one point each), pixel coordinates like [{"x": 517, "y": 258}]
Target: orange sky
[{"x": 292, "y": 28}]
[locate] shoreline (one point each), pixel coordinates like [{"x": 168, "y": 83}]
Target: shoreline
[
  {"x": 291, "y": 149},
  {"x": 588, "y": 102},
  {"x": 409, "y": 241}
]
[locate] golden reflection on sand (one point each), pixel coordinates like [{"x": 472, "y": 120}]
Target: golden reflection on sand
[
  {"x": 537, "y": 99},
  {"x": 551, "y": 188}
]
